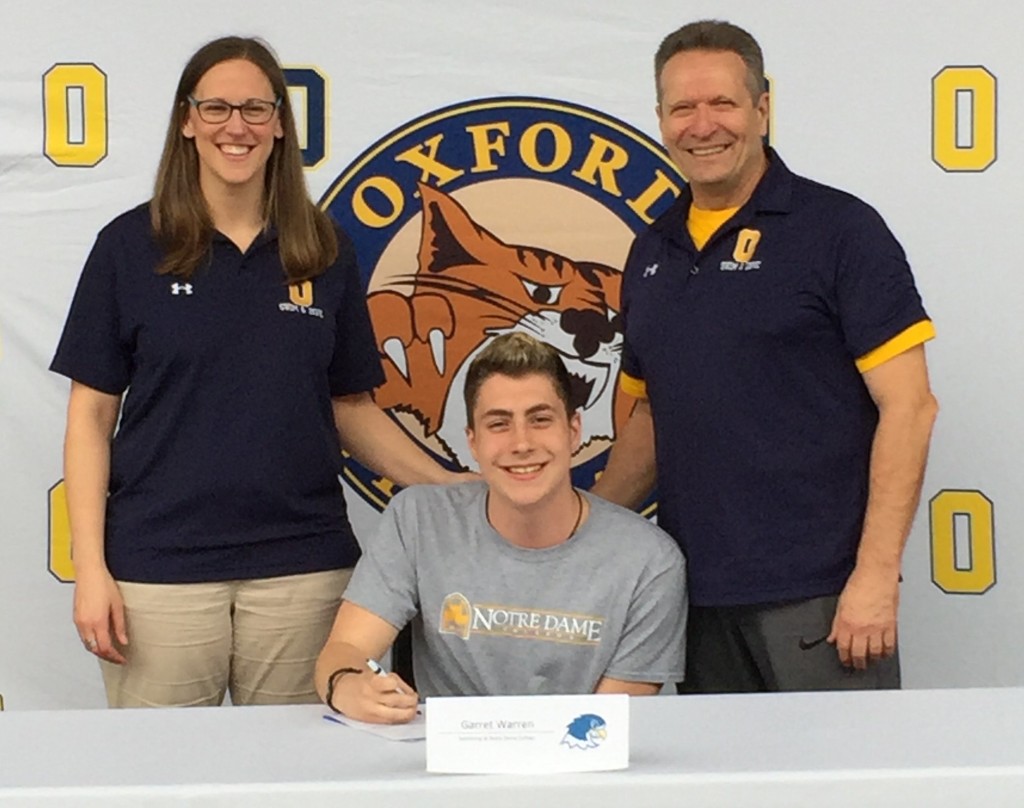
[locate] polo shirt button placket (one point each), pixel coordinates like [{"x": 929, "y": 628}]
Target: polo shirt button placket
[{"x": 694, "y": 270}]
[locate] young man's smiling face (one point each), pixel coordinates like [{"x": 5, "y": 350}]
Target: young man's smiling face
[{"x": 523, "y": 440}]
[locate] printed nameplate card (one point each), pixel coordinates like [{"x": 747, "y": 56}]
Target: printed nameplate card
[{"x": 527, "y": 734}]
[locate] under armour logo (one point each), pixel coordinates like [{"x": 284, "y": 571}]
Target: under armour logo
[
  {"x": 651, "y": 270},
  {"x": 181, "y": 288}
]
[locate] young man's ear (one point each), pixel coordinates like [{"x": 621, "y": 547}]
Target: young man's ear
[{"x": 471, "y": 439}]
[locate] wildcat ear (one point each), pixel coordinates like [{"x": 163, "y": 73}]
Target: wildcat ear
[{"x": 450, "y": 237}]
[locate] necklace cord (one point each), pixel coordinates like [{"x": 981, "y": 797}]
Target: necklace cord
[{"x": 575, "y": 527}]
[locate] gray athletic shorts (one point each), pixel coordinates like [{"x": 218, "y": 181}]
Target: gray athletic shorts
[{"x": 774, "y": 647}]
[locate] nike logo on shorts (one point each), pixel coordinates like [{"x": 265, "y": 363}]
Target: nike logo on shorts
[{"x": 807, "y": 645}]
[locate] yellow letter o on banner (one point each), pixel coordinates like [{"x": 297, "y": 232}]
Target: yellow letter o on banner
[
  {"x": 60, "y": 536},
  {"x": 964, "y": 139},
  {"x": 75, "y": 114},
  {"x": 979, "y": 574}
]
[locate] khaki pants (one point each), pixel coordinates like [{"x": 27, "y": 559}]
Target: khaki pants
[{"x": 188, "y": 644}]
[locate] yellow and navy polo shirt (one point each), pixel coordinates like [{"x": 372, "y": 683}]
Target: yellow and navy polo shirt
[
  {"x": 225, "y": 462},
  {"x": 750, "y": 348}
]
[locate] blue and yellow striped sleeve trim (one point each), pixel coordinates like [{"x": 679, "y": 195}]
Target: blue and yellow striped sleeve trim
[
  {"x": 909, "y": 338},
  {"x": 631, "y": 386}
]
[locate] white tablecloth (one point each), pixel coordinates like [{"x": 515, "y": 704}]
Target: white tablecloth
[{"x": 935, "y": 748}]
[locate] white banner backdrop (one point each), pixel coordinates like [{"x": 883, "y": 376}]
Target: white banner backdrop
[{"x": 902, "y": 104}]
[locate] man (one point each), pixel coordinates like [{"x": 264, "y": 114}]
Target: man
[
  {"x": 775, "y": 339},
  {"x": 518, "y": 583}
]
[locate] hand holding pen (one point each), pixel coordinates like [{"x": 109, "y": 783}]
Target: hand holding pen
[
  {"x": 377, "y": 670},
  {"x": 376, "y": 696}
]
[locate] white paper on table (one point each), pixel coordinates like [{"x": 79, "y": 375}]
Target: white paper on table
[
  {"x": 415, "y": 730},
  {"x": 528, "y": 734}
]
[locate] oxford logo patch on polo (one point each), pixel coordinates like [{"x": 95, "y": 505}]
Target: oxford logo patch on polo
[
  {"x": 301, "y": 294},
  {"x": 300, "y": 299},
  {"x": 743, "y": 252}
]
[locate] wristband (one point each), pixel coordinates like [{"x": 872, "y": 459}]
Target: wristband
[{"x": 332, "y": 680}]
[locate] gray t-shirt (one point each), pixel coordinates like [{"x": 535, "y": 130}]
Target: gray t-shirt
[{"x": 492, "y": 618}]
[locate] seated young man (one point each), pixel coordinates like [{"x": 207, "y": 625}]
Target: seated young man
[{"x": 519, "y": 584}]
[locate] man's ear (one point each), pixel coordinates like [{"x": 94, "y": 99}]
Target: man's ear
[
  {"x": 764, "y": 110},
  {"x": 576, "y": 430}
]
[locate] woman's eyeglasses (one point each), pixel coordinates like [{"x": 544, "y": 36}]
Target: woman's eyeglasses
[{"x": 217, "y": 110}]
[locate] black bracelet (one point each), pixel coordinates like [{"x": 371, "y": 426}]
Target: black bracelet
[{"x": 332, "y": 680}]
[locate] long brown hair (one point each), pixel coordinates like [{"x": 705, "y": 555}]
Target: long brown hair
[{"x": 181, "y": 219}]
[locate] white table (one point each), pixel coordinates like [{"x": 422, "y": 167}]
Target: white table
[{"x": 962, "y": 748}]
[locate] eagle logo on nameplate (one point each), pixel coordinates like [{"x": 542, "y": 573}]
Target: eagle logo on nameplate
[
  {"x": 586, "y": 731},
  {"x": 491, "y": 216}
]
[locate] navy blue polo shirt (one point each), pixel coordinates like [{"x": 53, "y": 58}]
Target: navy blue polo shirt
[
  {"x": 747, "y": 350},
  {"x": 225, "y": 462}
]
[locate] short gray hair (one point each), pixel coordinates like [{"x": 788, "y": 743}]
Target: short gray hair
[{"x": 714, "y": 35}]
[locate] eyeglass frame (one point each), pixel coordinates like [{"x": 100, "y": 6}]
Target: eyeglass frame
[{"x": 196, "y": 102}]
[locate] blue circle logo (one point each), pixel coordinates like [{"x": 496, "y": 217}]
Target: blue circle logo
[{"x": 498, "y": 215}]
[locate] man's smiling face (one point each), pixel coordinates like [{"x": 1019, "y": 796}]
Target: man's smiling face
[{"x": 712, "y": 126}]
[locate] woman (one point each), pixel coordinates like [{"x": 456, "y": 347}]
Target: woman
[{"x": 225, "y": 322}]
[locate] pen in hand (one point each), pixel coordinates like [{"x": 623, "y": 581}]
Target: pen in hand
[{"x": 375, "y": 668}]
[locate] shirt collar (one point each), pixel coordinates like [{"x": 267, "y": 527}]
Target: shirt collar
[
  {"x": 773, "y": 194},
  {"x": 266, "y": 236}
]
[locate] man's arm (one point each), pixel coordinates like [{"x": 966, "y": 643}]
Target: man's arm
[
  {"x": 864, "y": 628},
  {"x": 359, "y": 635},
  {"x": 628, "y": 477},
  {"x": 609, "y": 685}
]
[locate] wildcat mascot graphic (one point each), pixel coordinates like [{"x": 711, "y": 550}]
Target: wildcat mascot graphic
[
  {"x": 469, "y": 288},
  {"x": 437, "y": 211}
]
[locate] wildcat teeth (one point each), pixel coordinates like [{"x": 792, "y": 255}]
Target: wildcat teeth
[
  {"x": 597, "y": 375},
  {"x": 396, "y": 353},
  {"x": 436, "y": 337}
]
